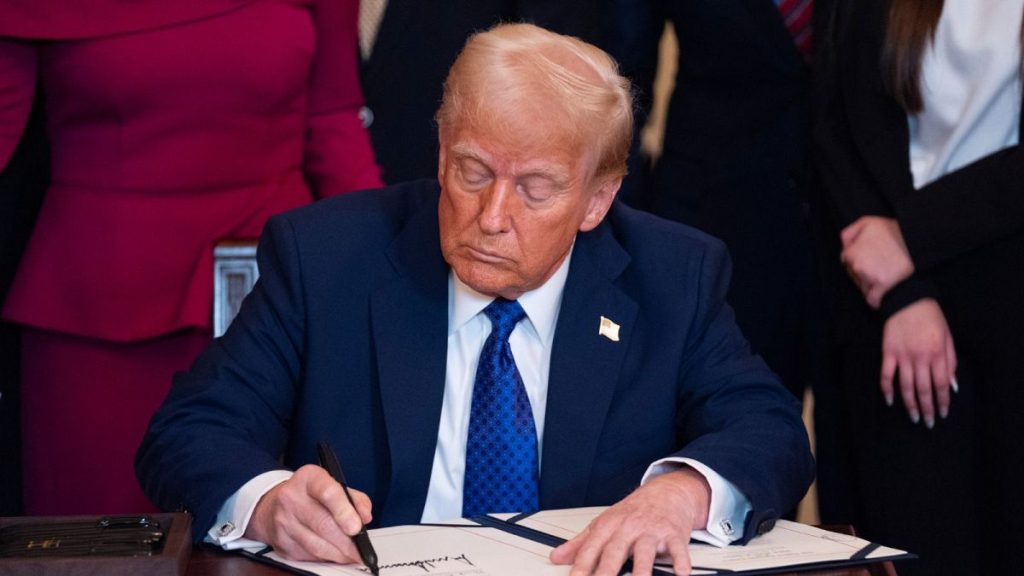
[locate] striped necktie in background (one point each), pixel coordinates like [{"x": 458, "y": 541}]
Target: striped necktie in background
[{"x": 797, "y": 16}]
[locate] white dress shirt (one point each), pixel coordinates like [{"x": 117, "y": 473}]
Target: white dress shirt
[
  {"x": 531, "y": 342},
  {"x": 970, "y": 87}
]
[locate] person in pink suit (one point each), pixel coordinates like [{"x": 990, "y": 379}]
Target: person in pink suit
[{"x": 172, "y": 125}]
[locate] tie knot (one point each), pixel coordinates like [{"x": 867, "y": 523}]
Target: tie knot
[{"x": 504, "y": 315}]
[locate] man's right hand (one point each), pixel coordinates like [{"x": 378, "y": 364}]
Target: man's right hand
[{"x": 308, "y": 517}]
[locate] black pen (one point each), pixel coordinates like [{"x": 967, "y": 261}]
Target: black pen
[{"x": 329, "y": 460}]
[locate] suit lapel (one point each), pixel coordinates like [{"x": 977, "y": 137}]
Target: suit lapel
[
  {"x": 584, "y": 366},
  {"x": 410, "y": 319}
]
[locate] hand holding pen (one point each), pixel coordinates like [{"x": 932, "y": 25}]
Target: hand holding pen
[
  {"x": 329, "y": 460},
  {"x": 310, "y": 517}
]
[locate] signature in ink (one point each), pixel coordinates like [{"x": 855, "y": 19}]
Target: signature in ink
[{"x": 425, "y": 565}]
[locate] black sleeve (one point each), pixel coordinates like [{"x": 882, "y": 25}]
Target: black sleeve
[{"x": 978, "y": 204}]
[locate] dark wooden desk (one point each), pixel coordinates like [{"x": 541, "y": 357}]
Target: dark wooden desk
[{"x": 213, "y": 562}]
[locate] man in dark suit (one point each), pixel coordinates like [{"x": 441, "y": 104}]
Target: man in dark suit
[{"x": 374, "y": 311}]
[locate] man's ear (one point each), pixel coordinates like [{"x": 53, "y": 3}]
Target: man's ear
[{"x": 600, "y": 202}]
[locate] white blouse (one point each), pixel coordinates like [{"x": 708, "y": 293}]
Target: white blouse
[{"x": 970, "y": 86}]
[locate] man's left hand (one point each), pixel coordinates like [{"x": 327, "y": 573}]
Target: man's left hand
[
  {"x": 656, "y": 518},
  {"x": 875, "y": 255}
]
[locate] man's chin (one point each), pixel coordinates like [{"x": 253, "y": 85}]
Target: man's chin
[
  {"x": 488, "y": 282},
  {"x": 494, "y": 289}
]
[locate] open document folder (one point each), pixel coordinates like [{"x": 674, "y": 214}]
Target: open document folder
[{"x": 509, "y": 545}]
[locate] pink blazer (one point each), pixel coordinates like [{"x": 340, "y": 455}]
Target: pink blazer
[{"x": 172, "y": 126}]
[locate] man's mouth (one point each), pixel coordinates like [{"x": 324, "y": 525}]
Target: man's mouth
[{"x": 486, "y": 256}]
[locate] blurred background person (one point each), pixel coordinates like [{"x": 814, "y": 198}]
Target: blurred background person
[
  {"x": 22, "y": 183},
  {"x": 171, "y": 126},
  {"x": 918, "y": 131},
  {"x": 407, "y": 47},
  {"x": 735, "y": 161}
]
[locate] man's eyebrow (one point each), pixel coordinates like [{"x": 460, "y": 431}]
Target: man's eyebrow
[
  {"x": 467, "y": 151},
  {"x": 556, "y": 174}
]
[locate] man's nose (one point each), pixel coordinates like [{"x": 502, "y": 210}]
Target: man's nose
[{"x": 495, "y": 215}]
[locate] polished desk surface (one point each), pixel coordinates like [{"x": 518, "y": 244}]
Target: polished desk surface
[{"x": 214, "y": 562}]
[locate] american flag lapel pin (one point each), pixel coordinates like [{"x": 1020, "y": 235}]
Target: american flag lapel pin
[{"x": 608, "y": 329}]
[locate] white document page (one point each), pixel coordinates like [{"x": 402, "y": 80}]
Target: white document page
[
  {"x": 789, "y": 544},
  {"x": 471, "y": 550},
  {"x": 444, "y": 551}
]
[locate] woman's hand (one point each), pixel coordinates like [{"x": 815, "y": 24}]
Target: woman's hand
[
  {"x": 917, "y": 344},
  {"x": 875, "y": 256}
]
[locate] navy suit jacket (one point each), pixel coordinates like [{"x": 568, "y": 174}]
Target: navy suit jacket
[{"x": 344, "y": 339}]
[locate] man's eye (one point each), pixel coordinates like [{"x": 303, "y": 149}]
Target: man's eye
[
  {"x": 538, "y": 189},
  {"x": 473, "y": 175},
  {"x": 474, "y": 179}
]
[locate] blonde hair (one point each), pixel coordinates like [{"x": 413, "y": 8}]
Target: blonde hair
[{"x": 517, "y": 71}]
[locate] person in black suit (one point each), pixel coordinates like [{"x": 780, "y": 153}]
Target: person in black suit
[
  {"x": 370, "y": 319},
  {"x": 736, "y": 163},
  {"x": 918, "y": 132},
  {"x": 412, "y": 48},
  {"x": 735, "y": 160}
]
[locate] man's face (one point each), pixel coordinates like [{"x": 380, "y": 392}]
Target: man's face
[{"x": 508, "y": 217}]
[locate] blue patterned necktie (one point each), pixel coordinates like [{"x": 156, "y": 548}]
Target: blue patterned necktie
[{"x": 501, "y": 446}]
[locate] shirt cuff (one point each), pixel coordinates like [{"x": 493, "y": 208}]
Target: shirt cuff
[
  {"x": 233, "y": 516},
  {"x": 727, "y": 512}
]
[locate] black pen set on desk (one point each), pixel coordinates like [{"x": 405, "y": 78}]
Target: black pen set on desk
[{"x": 329, "y": 461}]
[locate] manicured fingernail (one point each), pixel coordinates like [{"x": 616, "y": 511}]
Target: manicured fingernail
[
  {"x": 915, "y": 417},
  {"x": 954, "y": 385},
  {"x": 943, "y": 412},
  {"x": 929, "y": 421},
  {"x": 888, "y": 400}
]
